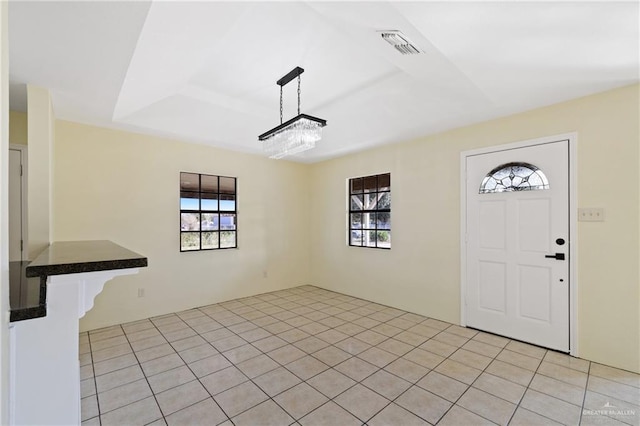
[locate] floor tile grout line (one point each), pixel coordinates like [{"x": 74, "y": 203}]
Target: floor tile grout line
[
  {"x": 332, "y": 345},
  {"x": 584, "y": 396},
  {"x": 194, "y": 374},
  {"x": 434, "y": 369},
  {"x": 586, "y": 389},
  {"x": 379, "y": 368},
  {"x": 146, "y": 378},
  {"x": 95, "y": 382},
  {"x": 199, "y": 378},
  {"x": 185, "y": 361},
  {"x": 458, "y": 348},
  {"x": 304, "y": 299},
  {"x": 528, "y": 387},
  {"x": 272, "y": 398},
  {"x": 306, "y": 380},
  {"x": 269, "y": 397}
]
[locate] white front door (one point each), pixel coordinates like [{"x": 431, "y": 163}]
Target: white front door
[{"x": 517, "y": 231}]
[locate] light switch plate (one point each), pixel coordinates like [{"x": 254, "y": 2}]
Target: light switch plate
[{"x": 591, "y": 215}]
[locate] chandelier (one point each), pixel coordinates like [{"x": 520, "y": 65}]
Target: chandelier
[{"x": 295, "y": 135}]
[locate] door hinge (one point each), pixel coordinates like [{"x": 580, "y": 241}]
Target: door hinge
[
  {"x": 21, "y": 245},
  {"x": 20, "y": 169}
]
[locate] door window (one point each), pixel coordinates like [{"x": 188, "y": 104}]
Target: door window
[{"x": 514, "y": 177}]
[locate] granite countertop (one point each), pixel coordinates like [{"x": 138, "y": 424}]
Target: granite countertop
[
  {"x": 28, "y": 280},
  {"x": 27, "y": 296},
  {"x": 73, "y": 257}
]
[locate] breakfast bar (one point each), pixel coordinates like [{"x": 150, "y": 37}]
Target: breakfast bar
[{"x": 48, "y": 297}]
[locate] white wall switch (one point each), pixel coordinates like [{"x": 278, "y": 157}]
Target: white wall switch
[{"x": 591, "y": 215}]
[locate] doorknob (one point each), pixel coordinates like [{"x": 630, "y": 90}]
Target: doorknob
[{"x": 557, "y": 256}]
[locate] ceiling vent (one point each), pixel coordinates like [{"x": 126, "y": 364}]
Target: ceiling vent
[{"x": 400, "y": 42}]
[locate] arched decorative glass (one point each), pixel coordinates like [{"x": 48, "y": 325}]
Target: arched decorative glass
[{"x": 514, "y": 177}]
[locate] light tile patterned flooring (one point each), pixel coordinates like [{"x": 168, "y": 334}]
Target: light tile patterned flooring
[{"x": 310, "y": 356}]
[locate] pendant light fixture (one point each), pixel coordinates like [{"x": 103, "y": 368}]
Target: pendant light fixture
[{"x": 295, "y": 135}]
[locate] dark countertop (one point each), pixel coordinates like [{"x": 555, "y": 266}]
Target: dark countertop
[
  {"x": 27, "y": 296},
  {"x": 28, "y": 280},
  {"x": 73, "y": 257}
]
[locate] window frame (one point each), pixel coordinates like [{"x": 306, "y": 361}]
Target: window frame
[
  {"x": 218, "y": 195},
  {"x": 375, "y": 210}
]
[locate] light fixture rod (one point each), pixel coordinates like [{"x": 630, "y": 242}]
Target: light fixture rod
[{"x": 292, "y": 74}]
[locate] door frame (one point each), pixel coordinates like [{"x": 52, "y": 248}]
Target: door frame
[
  {"x": 24, "y": 194},
  {"x": 573, "y": 224}
]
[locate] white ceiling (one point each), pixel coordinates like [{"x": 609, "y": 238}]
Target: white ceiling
[{"x": 205, "y": 72}]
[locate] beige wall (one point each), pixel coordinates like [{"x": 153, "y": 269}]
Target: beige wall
[
  {"x": 124, "y": 187},
  {"x": 40, "y": 131},
  {"x": 18, "y": 128},
  {"x": 421, "y": 273}
]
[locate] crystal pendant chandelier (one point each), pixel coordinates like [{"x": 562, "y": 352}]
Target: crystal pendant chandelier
[{"x": 296, "y": 135}]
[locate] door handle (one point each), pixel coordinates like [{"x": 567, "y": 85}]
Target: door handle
[{"x": 557, "y": 256}]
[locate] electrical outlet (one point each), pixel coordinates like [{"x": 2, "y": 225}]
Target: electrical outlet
[
  {"x": 141, "y": 292},
  {"x": 591, "y": 215}
]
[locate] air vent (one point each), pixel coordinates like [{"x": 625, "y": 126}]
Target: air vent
[{"x": 400, "y": 42}]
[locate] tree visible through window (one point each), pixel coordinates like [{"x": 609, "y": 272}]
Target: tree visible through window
[
  {"x": 514, "y": 177},
  {"x": 207, "y": 212},
  {"x": 370, "y": 211}
]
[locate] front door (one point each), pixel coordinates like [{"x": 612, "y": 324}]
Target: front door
[{"x": 517, "y": 243}]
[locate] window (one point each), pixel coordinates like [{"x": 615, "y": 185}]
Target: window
[
  {"x": 370, "y": 211},
  {"x": 514, "y": 177},
  {"x": 207, "y": 212}
]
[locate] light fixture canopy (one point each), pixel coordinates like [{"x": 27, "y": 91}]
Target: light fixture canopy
[{"x": 295, "y": 135}]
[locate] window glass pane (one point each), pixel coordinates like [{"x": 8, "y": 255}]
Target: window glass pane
[
  {"x": 189, "y": 182},
  {"x": 370, "y": 200},
  {"x": 227, "y": 185},
  {"x": 384, "y": 200},
  {"x": 384, "y": 239},
  {"x": 227, "y": 202},
  {"x": 384, "y": 182},
  {"x": 370, "y": 184},
  {"x": 356, "y": 237},
  {"x": 209, "y": 201},
  {"x": 209, "y": 183},
  {"x": 383, "y": 220},
  {"x": 357, "y": 202},
  {"x": 209, "y": 240},
  {"x": 227, "y": 239},
  {"x": 189, "y": 221},
  {"x": 209, "y": 222},
  {"x": 355, "y": 221},
  {"x": 370, "y": 238},
  {"x": 227, "y": 221},
  {"x": 189, "y": 201},
  {"x": 189, "y": 241},
  {"x": 369, "y": 220},
  {"x": 538, "y": 180},
  {"x": 356, "y": 185}
]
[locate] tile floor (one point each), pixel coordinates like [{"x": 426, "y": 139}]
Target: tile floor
[{"x": 310, "y": 356}]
